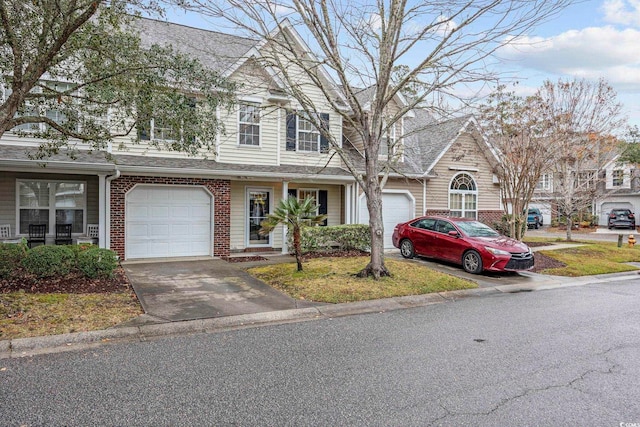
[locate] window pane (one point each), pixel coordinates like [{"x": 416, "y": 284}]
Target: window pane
[
  {"x": 455, "y": 201},
  {"x": 69, "y": 194},
  {"x": 249, "y": 135},
  {"x": 470, "y": 202},
  {"x": 308, "y": 135},
  {"x": 33, "y": 216},
  {"x": 75, "y": 217},
  {"x": 34, "y": 194}
]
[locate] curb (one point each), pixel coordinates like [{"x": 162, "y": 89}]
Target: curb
[{"x": 23, "y": 347}]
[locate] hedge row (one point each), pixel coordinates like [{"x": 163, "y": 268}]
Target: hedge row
[
  {"x": 49, "y": 261},
  {"x": 337, "y": 237}
]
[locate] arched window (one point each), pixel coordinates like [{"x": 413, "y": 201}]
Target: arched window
[{"x": 463, "y": 196}]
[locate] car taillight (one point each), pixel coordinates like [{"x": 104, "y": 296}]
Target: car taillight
[
  {"x": 612, "y": 215},
  {"x": 631, "y": 216}
]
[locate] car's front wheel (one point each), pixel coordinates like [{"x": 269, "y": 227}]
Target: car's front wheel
[
  {"x": 406, "y": 249},
  {"x": 472, "y": 262}
]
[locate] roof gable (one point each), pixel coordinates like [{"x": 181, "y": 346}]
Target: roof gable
[{"x": 427, "y": 140}]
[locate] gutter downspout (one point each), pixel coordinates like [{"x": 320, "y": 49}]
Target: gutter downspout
[{"x": 107, "y": 225}]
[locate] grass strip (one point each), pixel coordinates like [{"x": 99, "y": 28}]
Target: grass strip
[{"x": 333, "y": 280}]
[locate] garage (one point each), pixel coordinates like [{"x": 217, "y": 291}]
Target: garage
[
  {"x": 397, "y": 207},
  {"x": 608, "y": 207},
  {"x": 168, "y": 221},
  {"x": 545, "y": 210}
]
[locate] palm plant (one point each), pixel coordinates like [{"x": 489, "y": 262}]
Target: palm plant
[{"x": 295, "y": 214}]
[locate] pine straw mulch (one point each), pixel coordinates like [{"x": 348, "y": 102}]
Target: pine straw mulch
[{"x": 73, "y": 283}]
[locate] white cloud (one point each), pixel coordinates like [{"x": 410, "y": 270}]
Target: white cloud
[
  {"x": 624, "y": 12},
  {"x": 445, "y": 25},
  {"x": 591, "y": 53}
]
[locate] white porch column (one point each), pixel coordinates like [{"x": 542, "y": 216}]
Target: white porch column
[
  {"x": 285, "y": 195},
  {"x": 356, "y": 203},
  {"x": 348, "y": 204},
  {"x": 102, "y": 214},
  {"x": 424, "y": 197}
]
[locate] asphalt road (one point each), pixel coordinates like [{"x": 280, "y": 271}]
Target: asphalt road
[{"x": 568, "y": 356}]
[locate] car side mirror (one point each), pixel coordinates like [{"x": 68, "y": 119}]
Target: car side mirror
[{"x": 454, "y": 233}]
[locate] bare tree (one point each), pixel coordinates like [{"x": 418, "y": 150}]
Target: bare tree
[
  {"x": 582, "y": 118},
  {"x": 444, "y": 44},
  {"x": 517, "y": 131},
  {"x": 78, "y": 69}
]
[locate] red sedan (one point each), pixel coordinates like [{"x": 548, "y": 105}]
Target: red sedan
[{"x": 474, "y": 245}]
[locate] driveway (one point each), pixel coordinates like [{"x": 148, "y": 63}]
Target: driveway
[{"x": 189, "y": 290}]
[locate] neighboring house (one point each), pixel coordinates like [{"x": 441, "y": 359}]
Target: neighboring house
[
  {"x": 602, "y": 188},
  {"x": 438, "y": 168},
  {"x": 621, "y": 190},
  {"x": 155, "y": 204}
]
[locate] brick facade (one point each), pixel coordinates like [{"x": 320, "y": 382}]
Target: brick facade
[{"x": 221, "y": 190}]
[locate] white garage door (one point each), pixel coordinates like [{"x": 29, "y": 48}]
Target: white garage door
[
  {"x": 396, "y": 208},
  {"x": 545, "y": 210},
  {"x": 167, "y": 221},
  {"x": 607, "y": 207}
]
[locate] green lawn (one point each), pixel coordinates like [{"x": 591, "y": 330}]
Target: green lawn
[
  {"x": 333, "y": 280},
  {"x": 24, "y": 314},
  {"x": 593, "y": 258}
]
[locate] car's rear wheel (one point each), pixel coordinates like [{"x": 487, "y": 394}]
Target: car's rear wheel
[
  {"x": 406, "y": 249},
  {"x": 472, "y": 262}
]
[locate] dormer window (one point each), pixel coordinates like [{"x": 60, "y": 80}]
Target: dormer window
[
  {"x": 388, "y": 143},
  {"x": 617, "y": 178}
]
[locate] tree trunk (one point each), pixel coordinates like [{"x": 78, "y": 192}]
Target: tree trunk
[
  {"x": 376, "y": 267},
  {"x": 569, "y": 227},
  {"x": 296, "y": 247}
]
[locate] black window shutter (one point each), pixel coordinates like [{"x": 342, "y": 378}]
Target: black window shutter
[
  {"x": 322, "y": 204},
  {"x": 291, "y": 131},
  {"x": 293, "y": 193},
  {"x": 324, "y": 141}
]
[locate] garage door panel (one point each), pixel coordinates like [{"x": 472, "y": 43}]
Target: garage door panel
[
  {"x": 200, "y": 212},
  {"x": 168, "y": 222},
  {"x": 159, "y": 212},
  {"x": 180, "y": 212},
  {"x": 396, "y": 208}
]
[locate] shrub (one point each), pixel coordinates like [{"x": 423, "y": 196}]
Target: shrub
[
  {"x": 77, "y": 249},
  {"x": 503, "y": 227},
  {"x": 343, "y": 237},
  {"x": 97, "y": 262},
  {"x": 47, "y": 261},
  {"x": 11, "y": 255}
]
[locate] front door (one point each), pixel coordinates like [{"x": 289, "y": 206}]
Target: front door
[{"x": 258, "y": 206}]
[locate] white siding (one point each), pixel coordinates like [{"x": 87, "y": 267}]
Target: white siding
[
  {"x": 238, "y": 208},
  {"x": 464, "y": 156}
]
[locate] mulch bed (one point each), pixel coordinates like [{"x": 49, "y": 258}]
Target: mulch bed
[
  {"x": 544, "y": 262},
  {"x": 245, "y": 258},
  {"x": 77, "y": 283},
  {"x": 74, "y": 283}
]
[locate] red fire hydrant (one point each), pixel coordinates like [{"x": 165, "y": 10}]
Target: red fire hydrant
[{"x": 632, "y": 240}]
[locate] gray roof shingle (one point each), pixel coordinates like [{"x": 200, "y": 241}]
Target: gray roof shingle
[
  {"x": 425, "y": 139},
  {"x": 214, "y": 50},
  {"x": 211, "y": 167}
]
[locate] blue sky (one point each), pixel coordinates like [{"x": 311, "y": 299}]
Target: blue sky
[{"x": 590, "y": 39}]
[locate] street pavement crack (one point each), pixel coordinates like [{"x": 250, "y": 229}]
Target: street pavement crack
[{"x": 530, "y": 391}]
